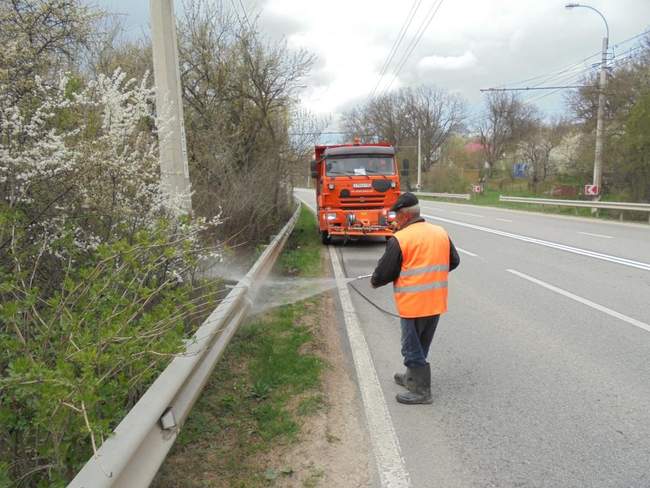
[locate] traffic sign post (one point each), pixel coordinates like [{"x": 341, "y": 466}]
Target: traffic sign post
[{"x": 592, "y": 190}]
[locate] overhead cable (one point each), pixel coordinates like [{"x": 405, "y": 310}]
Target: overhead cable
[
  {"x": 415, "y": 41},
  {"x": 398, "y": 41}
]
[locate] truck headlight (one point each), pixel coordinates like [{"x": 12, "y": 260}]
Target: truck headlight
[
  {"x": 393, "y": 184},
  {"x": 331, "y": 216},
  {"x": 330, "y": 186},
  {"x": 392, "y": 215}
]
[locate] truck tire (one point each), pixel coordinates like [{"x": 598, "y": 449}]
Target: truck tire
[{"x": 325, "y": 237}]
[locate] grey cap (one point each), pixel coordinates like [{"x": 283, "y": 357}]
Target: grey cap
[{"x": 405, "y": 200}]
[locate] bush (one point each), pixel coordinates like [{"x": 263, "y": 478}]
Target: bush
[
  {"x": 96, "y": 286},
  {"x": 445, "y": 179},
  {"x": 77, "y": 358}
]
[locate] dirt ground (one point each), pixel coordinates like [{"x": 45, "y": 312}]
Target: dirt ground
[{"x": 333, "y": 449}]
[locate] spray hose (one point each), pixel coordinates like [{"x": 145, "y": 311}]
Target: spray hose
[{"x": 360, "y": 293}]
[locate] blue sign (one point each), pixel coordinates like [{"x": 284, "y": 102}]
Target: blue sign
[{"x": 520, "y": 170}]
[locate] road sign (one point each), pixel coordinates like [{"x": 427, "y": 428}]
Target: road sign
[
  {"x": 519, "y": 170},
  {"x": 477, "y": 188},
  {"x": 592, "y": 190}
]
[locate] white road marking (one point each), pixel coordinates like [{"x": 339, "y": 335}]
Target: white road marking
[
  {"x": 589, "y": 303},
  {"x": 467, "y": 213},
  {"x": 390, "y": 463},
  {"x": 504, "y": 220},
  {"x": 596, "y": 235},
  {"x": 466, "y": 252},
  {"x": 541, "y": 242}
]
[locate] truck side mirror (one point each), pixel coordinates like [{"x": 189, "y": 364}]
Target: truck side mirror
[{"x": 314, "y": 169}]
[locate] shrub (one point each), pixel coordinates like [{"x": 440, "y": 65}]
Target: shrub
[{"x": 96, "y": 277}]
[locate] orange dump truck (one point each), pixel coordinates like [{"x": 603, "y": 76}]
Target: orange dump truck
[{"x": 356, "y": 184}]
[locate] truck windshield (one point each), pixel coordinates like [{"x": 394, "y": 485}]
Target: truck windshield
[{"x": 360, "y": 165}]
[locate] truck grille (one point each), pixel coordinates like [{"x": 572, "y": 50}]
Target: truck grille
[{"x": 362, "y": 201}]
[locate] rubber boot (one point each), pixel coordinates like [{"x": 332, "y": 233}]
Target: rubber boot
[
  {"x": 421, "y": 393},
  {"x": 405, "y": 379}
]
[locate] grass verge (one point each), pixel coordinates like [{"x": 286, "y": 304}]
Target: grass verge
[{"x": 260, "y": 392}]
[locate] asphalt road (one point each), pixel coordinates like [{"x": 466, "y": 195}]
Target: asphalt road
[{"x": 541, "y": 368}]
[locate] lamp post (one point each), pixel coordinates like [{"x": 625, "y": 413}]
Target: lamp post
[{"x": 600, "y": 122}]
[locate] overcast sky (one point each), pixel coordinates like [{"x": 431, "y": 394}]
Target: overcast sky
[{"x": 469, "y": 44}]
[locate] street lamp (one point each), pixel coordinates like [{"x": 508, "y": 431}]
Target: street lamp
[{"x": 598, "y": 158}]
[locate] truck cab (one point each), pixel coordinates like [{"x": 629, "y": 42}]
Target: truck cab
[{"x": 356, "y": 184}]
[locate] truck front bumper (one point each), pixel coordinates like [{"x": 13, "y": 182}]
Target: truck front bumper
[
  {"x": 366, "y": 222},
  {"x": 359, "y": 231}
]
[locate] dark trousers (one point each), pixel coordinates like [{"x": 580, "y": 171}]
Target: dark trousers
[{"x": 417, "y": 335}]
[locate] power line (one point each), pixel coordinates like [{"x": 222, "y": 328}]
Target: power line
[
  {"x": 631, "y": 38},
  {"x": 530, "y": 88},
  {"x": 552, "y": 74},
  {"x": 241, "y": 4},
  {"x": 547, "y": 77},
  {"x": 573, "y": 79},
  {"x": 239, "y": 18},
  {"x": 400, "y": 37},
  {"x": 416, "y": 40},
  {"x": 620, "y": 60}
]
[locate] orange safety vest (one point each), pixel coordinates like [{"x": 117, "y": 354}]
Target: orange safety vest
[{"x": 421, "y": 289}]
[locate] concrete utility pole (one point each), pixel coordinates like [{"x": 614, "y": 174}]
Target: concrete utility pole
[
  {"x": 175, "y": 176},
  {"x": 419, "y": 184},
  {"x": 600, "y": 121}
]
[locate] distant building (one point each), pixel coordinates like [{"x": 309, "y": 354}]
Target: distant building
[{"x": 474, "y": 147}]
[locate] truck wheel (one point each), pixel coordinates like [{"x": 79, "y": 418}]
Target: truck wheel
[{"x": 325, "y": 237}]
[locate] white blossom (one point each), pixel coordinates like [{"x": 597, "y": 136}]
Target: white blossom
[{"x": 86, "y": 162}]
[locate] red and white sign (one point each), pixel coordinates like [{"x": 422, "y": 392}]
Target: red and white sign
[
  {"x": 592, "y": 190},
  {"x": 477, "y": 188}
]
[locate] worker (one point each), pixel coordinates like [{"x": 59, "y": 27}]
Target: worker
[{"x": 417, "y": 260}]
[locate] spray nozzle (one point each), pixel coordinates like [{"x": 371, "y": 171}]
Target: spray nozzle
[{"x": 363, "y": 276}]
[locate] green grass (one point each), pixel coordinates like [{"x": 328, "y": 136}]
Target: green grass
[
  {"x": 260, "y": 392},
  {"x": 310, "y": 405},
  {"x": 302, "y": 252}
]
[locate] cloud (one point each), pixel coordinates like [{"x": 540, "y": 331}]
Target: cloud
[
  {"x": 470, "y": 44},
  {"x": 448, "y": 63},
  {"x": 280, "y": 27}
]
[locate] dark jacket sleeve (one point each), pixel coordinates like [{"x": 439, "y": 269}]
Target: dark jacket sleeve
[
  {"x": 389, "y": 265},
  {"x": 454, "y": 258}
]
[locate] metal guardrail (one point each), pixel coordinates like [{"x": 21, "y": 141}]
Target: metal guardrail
[
  {"x": 131, "y": 457},
  {"x": 638, "y": 207},
  {"x": 459, "y": 196}
]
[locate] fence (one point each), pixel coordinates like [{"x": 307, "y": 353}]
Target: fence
[
  {"x": 132, "y": 456},
  {"x": 459, "y": 196},
  {"x": 637, "y": 207}
]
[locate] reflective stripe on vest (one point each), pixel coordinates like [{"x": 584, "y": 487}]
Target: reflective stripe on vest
[
  {"x": 421, "y": 288},
  {"x": 416, "y": 288},
  {"x": 426, "y": 269}
]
